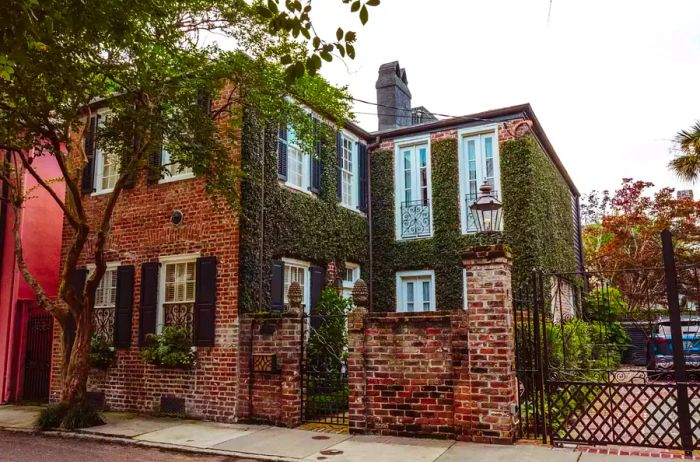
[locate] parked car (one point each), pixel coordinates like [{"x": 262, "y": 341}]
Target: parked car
[{"x": 660, "y": 347}]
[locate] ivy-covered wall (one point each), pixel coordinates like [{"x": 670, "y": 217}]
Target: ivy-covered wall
[
  {"x": 538, "y": 222},
  {"x": 277, "y": 222}
]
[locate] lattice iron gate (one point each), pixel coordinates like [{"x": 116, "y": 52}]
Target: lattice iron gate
[
  {"x": 579, "y": 343},
  {"x": 37, "y": 359},
  {"x": 324, "y": 370}
]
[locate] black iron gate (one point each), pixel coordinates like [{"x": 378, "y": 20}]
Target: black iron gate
[
  {"x": 580, "y": 341},
  {"x": 324, "y": 370},
  {"x": 37, "y": 359}
]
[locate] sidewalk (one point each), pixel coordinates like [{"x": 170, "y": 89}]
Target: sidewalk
[{"x": 283, "y": 444}]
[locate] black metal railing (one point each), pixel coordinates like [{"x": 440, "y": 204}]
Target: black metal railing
[
  {"x": 415, "y": 219},
  {"x": 469, "y": 200},
  {"x": 103, "y": 323},
  {"x": 179, "y": 315}
]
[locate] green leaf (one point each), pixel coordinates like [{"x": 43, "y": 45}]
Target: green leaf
[
  {"x": 372, "y": 2},
  {"x": 326, "y": 56},
  {"x": 364, "y": 15},
  {"x": 286, "y": 59},
  {"x": 351, "y": 51},
  {"x": 272, "y": 6},
  {"x": 341, "y": 49},
  {"x": 317, "y": 42},
  {"x": 350, "y": 36},
  {"x": 339, "y": 33},
  {"x": 355, "y": 6}
]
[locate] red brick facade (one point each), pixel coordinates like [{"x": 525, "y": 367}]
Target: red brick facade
[{"x": 439, "y": 374}]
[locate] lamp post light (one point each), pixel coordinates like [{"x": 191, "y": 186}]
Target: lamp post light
[{"x": 487, "y": 210}]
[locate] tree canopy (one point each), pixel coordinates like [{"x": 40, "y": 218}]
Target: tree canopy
[{"x": 150, "y": 64}]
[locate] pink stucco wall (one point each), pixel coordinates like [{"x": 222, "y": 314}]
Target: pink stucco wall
[{"x": 42, "y": 221}]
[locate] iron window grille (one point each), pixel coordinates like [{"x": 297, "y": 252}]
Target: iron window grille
[{"x": 415, "y": 219}]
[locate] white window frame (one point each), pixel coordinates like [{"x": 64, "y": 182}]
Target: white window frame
[
  {"x": 110, "y": 266},
  {"x": 99, "y": 159},
  {"x": 355, "y": 172},
  {"x": 463, "y": 135},
  {"x": 165, "y": 260},
  {"x": 348, "y": 285},
  {"x": 418, "y": 141},
  {"x": 305, "y": 186},
  {"x": 306, "y": 301},
  {"x": 419, "y": 274},
  {"x": 169, "y": 178}
]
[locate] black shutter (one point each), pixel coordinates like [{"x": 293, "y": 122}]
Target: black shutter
[
  {"x": 77, "y": 282},
  {"x": 277, "y": 286},
  {"x": 88, "y": 180},
  {"x": 282, "y": 153},
  {"x": 317, "y": 284},
  {"x": 205, "y": 302},
  {"x": 339, "y": 149},
  {"x": 316, "y": 160},
  {"x": 155, "y": 160},
  {"x": 149, "y": 300},
  {"x": 363, "y": 162},
  {"x": 124, "y": 307}
]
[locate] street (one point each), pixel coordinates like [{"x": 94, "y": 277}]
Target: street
[{"x": 24, "y": 447}]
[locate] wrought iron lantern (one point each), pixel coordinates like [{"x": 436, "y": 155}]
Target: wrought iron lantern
[{"x": 487, "y": 210}]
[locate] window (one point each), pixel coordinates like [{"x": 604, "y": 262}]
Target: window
[
  {"x": 297, "y": 161},
  {"x": 350, "y": 276},
  {"x": 173, "y": 170},
  {"x": 107, "y": 164},
  {"x": 105, "y": 302},
  {"x": 413, "y": 191},
  {"x": 415, "y": 291},
  {"x": 297, "y": 271},
  {"x": 478, "y": 163},
  {"x": 177, "y": 291},
  {"x": 347, "y": 172}
]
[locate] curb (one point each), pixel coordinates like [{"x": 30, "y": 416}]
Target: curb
[{"x": 125, "y": 441}]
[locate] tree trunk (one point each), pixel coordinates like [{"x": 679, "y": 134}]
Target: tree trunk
[{"x": 76, "y": 374}]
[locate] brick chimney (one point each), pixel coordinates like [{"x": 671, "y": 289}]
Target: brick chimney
[{"x": 393, "y": 97}]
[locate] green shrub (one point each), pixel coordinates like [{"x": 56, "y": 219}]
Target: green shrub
[
  {"x": 326, "y": 347},
  {"x": 102, "y": 353},
  {"x": 63, "y": 415},
  {"x": 604, "y": 305},
  {"x": 171, "y": 348}
]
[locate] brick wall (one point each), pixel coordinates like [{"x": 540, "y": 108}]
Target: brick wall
[
  {"x": 271, "y": 397},
  {"x": 141, "y": 231},
  {"x": 439, "y": 374}
]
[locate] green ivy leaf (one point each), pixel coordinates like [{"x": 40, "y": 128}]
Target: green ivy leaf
[
  {"x": 372, "y": 2},
  {"x": 364, "y": 15},
  {"x": 355, "y": 6},
  {"x": 339, "y": 33}
]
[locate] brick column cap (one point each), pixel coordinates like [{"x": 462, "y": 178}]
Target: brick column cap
[{"x": 486, "y": 255}]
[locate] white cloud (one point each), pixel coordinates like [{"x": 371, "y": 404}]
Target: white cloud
[{"x": 612, "y": 81}]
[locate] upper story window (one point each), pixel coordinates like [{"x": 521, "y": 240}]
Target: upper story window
[
  {"x": 478, "y": 163},
  {"x": 413, "y": 191},
  {"x": 415, "y": 291},
  {"x": 293, "y": 165},
  {"x": 173, "y": 171},
  {"x": 106, "y": 163},
  {"x": 177, "y": 291},
  {"x": 348, "y": 175}
]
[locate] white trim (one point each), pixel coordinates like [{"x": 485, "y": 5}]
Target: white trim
[
  {"x": 99, "y": 159},
  {"x": 91, "y": 266},
  {"x": 164, "y": 260},
  {"x": 416, "y": 141},
  {"x": 181, "y": 176},
  {"x": 307, "y": 280},
  {"x": 348, "y": 285},
  {"x": 400, "y": 275},
  {"x": 469, "y": 132},
  {"x": 354, "y": 140}
]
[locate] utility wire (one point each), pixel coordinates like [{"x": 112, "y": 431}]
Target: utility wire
[{"x": 403, "y": 109}]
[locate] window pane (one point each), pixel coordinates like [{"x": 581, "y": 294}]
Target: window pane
[
  {"x": 426, "y": 295},
  {"x": 407, "y": 181}
]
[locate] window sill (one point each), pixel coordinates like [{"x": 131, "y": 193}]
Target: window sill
[
  {"x": 295, "y": 188},
  {"x": 417, "y": 238},
  {"x": 102, "y": 192},
  {"x": 352, "y": 209},
  {"x": 171, "y": 179}
]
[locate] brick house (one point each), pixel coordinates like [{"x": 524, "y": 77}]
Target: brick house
[{"x": 177, "y": 259}]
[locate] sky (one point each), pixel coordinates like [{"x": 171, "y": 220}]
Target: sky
[{"x": 611, "y": 81}]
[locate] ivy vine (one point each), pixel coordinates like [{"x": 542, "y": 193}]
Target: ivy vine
[{"x": 277, "y": 222}]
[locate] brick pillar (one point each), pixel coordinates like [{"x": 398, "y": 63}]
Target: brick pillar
[
  {"x": 356, "y": 371},
  {"x": 491, "y": 343}
]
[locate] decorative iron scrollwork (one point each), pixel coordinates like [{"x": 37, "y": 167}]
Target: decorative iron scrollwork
[
  {"x": 415, "y": 218},
  {"x": 179, "y": 315},
  {"x": 103, "y": 322}
]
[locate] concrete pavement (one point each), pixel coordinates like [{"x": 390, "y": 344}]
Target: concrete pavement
[{"x": 273, "y": 443}]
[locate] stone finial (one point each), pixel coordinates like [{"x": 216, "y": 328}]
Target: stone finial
[
  {"x": 360, "y": 294},
  {"x": 295, "y": 296}
]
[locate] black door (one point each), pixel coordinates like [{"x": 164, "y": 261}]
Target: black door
[{"x": 37, "y": 360}]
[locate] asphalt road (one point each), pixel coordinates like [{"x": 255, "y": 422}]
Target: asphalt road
[{"x": 23, "y": 447}]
